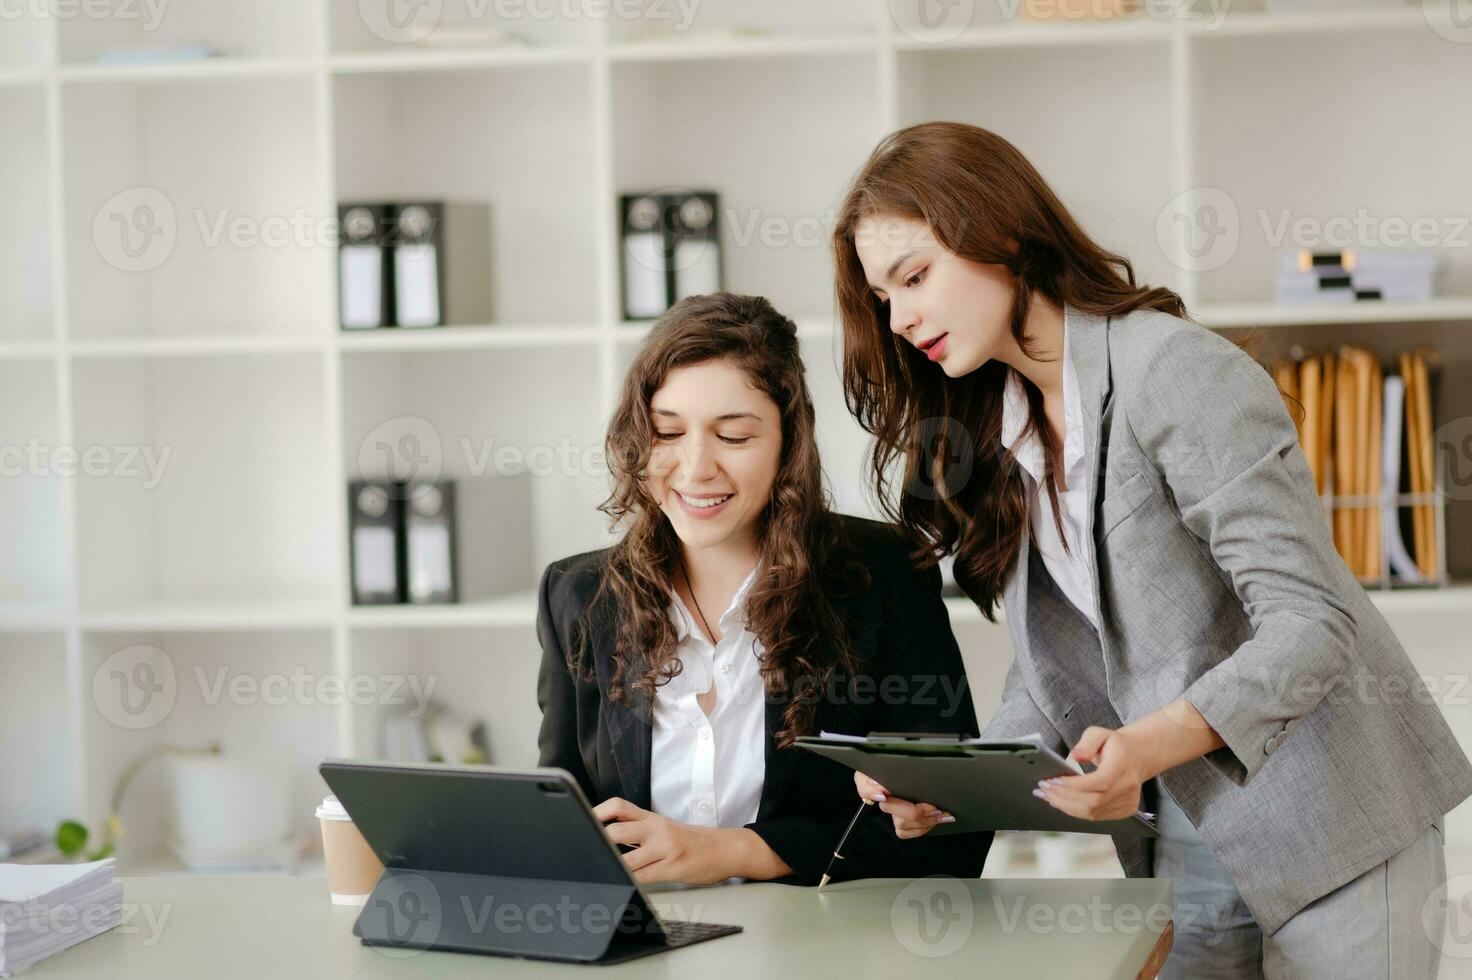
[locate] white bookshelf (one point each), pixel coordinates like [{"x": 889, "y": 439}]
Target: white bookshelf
[
  {"x": 1269, "y": 314},
  {"x": 227, "y": 354}
]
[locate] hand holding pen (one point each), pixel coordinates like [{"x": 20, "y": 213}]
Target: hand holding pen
[{"x": 910, "y": 819}]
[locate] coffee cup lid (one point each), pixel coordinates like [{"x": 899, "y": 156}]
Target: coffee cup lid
[{"x": 330, "y": 809}]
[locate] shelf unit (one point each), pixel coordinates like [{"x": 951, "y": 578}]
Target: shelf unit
[{"x": 214, "y": 337}]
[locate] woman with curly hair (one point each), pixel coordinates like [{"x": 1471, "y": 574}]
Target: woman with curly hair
[{"x": 735, "y": 613}]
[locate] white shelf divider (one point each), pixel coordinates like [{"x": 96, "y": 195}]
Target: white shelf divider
[
  {"x": 517, "y": 610},
  {"x": 186, "y": 72},
  {"x": 79, "y": 683},
  {"x": 193, "y": 346},
  {"x": 662, "y": 49},
  {"x": 1038, "y": 34},
  {"x": 1270, "y": 314},
  {"x": 342, "y": 652},
  {"x": 473, "y": 337},
  {"x": 419, "y": 61}
]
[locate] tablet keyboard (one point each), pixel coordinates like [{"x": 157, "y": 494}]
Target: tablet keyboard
[{"x": 682, "y": 933}]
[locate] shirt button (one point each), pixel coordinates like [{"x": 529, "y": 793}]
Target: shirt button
[
  {"x": 705, "y": 806},
  {"x": 705, "y": 733},
  {"x": 725, "y": 668}
]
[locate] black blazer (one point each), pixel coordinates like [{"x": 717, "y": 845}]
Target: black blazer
[{"x": 902, "y": 638}]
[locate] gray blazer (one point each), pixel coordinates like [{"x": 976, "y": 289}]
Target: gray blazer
[{"x": 1218, "y": 581}]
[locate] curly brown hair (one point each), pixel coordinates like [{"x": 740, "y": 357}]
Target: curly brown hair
[
  {"x": 962, "y": 493},
  {"x": 805, "y": 559}
]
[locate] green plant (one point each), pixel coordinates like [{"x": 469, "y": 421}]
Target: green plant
[{"x": 72, "y": 835}]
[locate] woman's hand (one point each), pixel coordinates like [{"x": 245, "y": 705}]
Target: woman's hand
[
  {"x": 668, "y": 850},
  {"x": 1111, "y": 791},
  {"x": 910, "y": 819}
]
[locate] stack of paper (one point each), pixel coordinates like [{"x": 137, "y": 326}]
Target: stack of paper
[
  {"x": 1367, "y": 436},
  {"x": 1308, "y": 389},
  {"x": 1358, "y": 459},
  {"x": 1420, "y": 453},
  {"x": 46, "y": 908},
  {"x": 1393, "y": 275}
]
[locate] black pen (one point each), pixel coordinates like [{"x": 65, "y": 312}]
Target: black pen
[{"x": 838, "y": 851}]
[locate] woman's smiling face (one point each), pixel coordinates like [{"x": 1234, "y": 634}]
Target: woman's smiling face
[
  {"x": 717, "y": 449},
  {"x": 955, "y": 311}
]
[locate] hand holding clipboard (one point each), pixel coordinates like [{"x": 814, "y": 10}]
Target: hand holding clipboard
[{"x": 985, "y": 784}]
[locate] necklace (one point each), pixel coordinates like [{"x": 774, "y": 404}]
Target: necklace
[{"x": 709, "y": 633}]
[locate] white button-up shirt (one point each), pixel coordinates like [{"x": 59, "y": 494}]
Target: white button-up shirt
[
  {"x": 1071, "y": 571},
  {"x": 708, "y": 770}
]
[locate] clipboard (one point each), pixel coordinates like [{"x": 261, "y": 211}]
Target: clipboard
[{"x": 985, "y": 785}]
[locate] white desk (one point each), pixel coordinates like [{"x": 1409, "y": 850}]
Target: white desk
[{"x": 224, "y": 928}]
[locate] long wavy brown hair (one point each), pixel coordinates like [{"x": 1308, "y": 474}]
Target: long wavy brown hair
[
  {"x": 961, "y": 493},
  {"x": 805, "y": 559}
]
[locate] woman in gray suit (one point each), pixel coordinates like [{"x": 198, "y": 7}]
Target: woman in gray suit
[{"x": 1130, "y": 486}]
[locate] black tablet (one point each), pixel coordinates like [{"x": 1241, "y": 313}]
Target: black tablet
[{"x": 509, "y": 862}]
